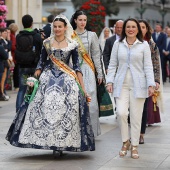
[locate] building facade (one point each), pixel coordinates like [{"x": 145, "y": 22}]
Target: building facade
[
  {"x": 128, "y": 8},
  {"x": 18, "y": 8}
]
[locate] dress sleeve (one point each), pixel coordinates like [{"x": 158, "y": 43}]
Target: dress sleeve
[
  {"x": 96, "y": 54},
  {"x": 75, "y": 60},
  {"x": 43, "y": 58},
  {"x": 155, "y": 60},
  {"x": 148, "y": 66}
]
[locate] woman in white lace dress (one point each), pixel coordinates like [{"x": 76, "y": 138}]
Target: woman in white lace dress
[
  {"x": 90, "y": 63},
  {"x": 58, "y": 117}
]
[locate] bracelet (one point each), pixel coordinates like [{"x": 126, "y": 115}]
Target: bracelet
[{"x": 108, "y": 84}]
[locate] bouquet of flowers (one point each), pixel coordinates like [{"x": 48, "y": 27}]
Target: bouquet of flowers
[
  {"x": 95, "y": 14},
  {"x": 32, "y": 84}
]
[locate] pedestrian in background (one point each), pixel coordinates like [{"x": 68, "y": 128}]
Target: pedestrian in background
[
  {"x": 166, "y": 53},
  {"x": 14, "y": 28},
  {"x": 160, "y": 39},
  {"x": 3, "y": 57},
  {"x": 47, "y": 27},
  {"x": 106, "y": 33},
  {"x": 6, "y": 43},
  {"x": 110, "y": 41},
  {"x": 130, "y": 78},
  {"x": 27, "y": 54}
]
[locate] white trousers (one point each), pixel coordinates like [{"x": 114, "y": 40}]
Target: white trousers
[{"x": 135, "y": 105}]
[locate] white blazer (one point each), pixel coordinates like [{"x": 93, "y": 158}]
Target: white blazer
[{"x": 138, "y": 60}]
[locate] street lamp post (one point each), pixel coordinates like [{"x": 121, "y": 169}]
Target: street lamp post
[
  {"x": 163, "y": 11},
  {"x": 141, "y": 10}
]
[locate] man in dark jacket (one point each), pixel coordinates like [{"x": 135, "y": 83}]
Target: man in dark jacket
[
  {"x": 109, "y": 43},
  {"x": 27, "y": 69},
  {"x": 160, "y": 39},
  {"x": 47, "y": 28},
  {"x": 166, "y": 52}
]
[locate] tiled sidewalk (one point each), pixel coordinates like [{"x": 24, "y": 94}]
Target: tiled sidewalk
[{"x": 154, "y": 154}]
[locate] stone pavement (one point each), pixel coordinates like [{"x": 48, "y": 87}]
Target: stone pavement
[{"x": 154, "y": 154}]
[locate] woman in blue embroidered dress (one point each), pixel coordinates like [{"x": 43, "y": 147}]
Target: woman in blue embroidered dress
[{"x": 58, "y": 117}]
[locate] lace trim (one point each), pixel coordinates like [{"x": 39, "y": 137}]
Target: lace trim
[{"x": 72, "y": 44}]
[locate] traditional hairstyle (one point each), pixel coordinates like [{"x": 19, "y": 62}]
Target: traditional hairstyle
[
  {"x": 149, "y": 29},
  {"x": 139, "y": 35},
  {"x": 62, "y": 20},
  {"x": 75, "y": 16},
  {"x": 66, "y": 22}
]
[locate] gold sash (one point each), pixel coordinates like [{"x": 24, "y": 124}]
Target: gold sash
[
  {"x": 60, "y": 64},
  {"x": 84, "y": 54}
]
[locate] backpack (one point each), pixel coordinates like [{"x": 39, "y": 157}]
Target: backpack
[{"x": 25, "y": 53}]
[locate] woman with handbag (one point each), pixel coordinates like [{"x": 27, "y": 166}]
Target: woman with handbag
[
  {"x": 147, "y": 35},
  {"x": 90, "y": 63},
  {"x": 130, "y": 77},
  {"x": 58, "y": 117}
]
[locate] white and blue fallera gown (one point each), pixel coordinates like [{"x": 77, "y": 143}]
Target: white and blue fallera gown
[{"x": 58, "y": 117}]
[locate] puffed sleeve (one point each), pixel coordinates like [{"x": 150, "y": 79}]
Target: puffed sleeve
[
  {"x": 75, "y": 60},
  {"x": 148, "y": 67},
  {"x": 113, "y": 63},
  {"x": 43, "y": 58},
  {"x": 96, "y": 54}
]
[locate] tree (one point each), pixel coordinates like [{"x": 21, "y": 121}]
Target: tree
[{"x": 111, "y": 6}]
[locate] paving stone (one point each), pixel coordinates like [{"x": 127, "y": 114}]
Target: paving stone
[{"x": 154, "y": 154}]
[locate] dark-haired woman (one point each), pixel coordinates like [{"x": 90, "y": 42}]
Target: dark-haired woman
[
  {"x": 147, "y": 33},
  {"x": 133, "y": 82},
  {"x": 58, "y": 117},
  {"x": 90, "y": 63}
]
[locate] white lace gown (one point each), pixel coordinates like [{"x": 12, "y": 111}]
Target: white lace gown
[
  {"x": 58, "y": 117},
  {"x": 91, "y": 43}
]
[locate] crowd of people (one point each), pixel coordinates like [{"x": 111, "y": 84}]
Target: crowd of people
[{"x": 68, "y": 62}]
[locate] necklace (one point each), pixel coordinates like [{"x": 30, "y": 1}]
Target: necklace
[
  {"x": 128, "y": 43},
  {"x": 59, "y": 41},
  {"x": 80, "y": 33}
]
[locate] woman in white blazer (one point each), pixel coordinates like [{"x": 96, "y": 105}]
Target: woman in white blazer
[{"x": 130, "y": 77}]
